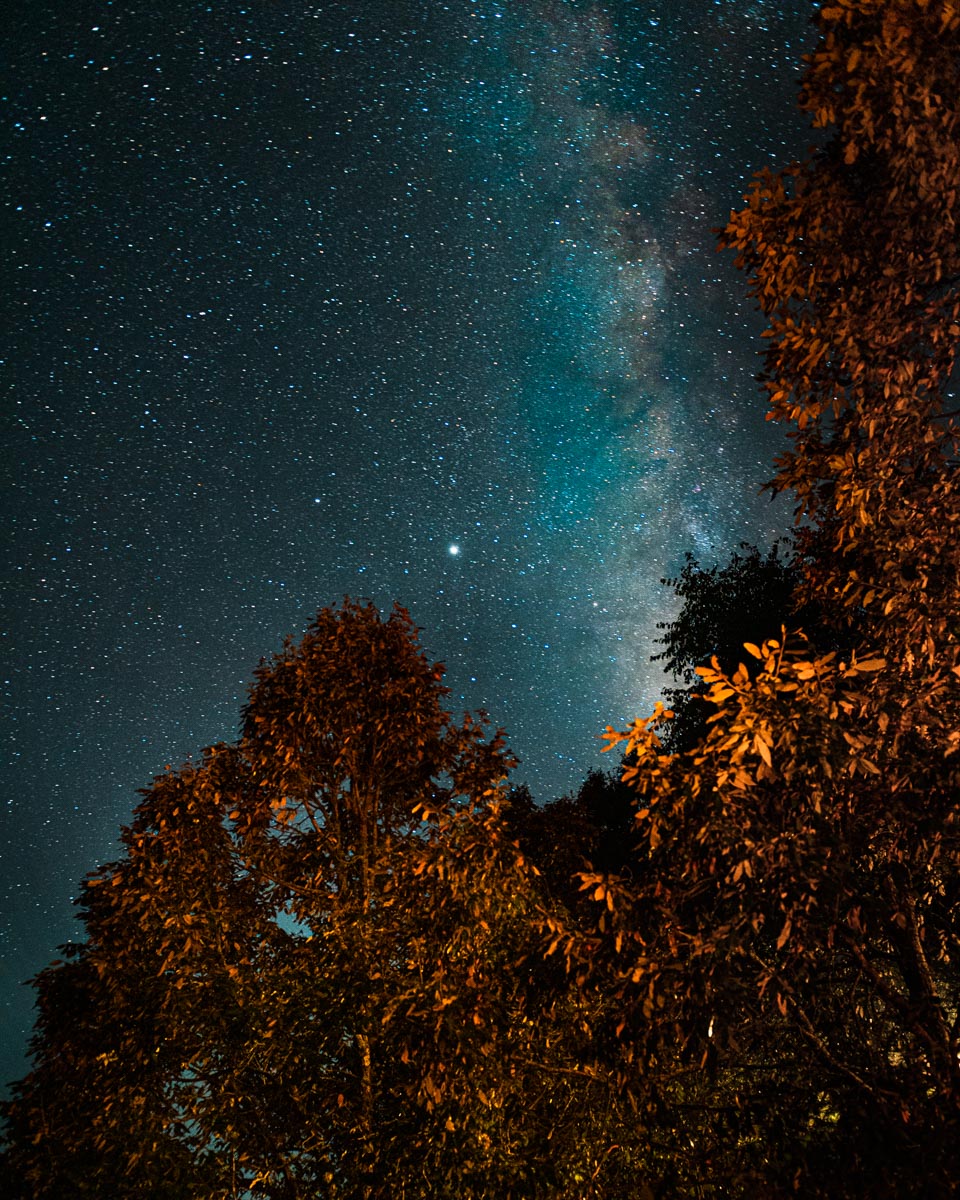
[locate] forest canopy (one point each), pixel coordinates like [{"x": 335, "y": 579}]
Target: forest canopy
[{"x": 340, "y": 957}]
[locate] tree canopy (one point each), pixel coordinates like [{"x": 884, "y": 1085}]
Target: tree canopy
[
  {"x": 796, "y": 927},
  {"x": 305, "y": 975}
]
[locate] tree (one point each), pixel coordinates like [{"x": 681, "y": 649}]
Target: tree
[
  {"x": 120, "y": 1044},
  {"x": 751, "y": 596},
  {"x": 854, "y": 258},
  {"x": 221, "y": 1029},
  {"x": 315, "y": 969},
  {"x": 505, "y": 1045},
  {"x": 345, "y": 742},
  {"x": 794, "y": 931},
  {"x": 593, "y": 830}
]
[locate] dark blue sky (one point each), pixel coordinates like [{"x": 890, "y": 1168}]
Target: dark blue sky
[{"x": 409, "y": 300}]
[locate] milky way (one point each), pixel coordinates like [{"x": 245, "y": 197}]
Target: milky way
[{"x": 405, "y": 300}]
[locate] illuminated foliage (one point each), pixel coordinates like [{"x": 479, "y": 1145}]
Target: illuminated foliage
[
  {"x": 792, "y": 939},
  {"x": 315, "y": 970},
  {"x": 854, "y": 258},
  {"x": 751, "y": 596}
]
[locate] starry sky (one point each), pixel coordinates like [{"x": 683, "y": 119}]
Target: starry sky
[{"x": 401, "y": 299}]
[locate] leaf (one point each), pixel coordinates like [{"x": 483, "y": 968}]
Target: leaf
[{"x": 784, "y": 934}]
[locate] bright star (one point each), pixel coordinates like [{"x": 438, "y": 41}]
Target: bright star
[{"x": 453, "y": 549}]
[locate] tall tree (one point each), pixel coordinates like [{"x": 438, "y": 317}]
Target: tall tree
[
  {"x": 796, "y": 928},
  {"x": 315, "y": 969},
  {"x": 344, "y": 740},
  {"x": 854, "y": 258},
  {"x": 221, "y": 1029}
]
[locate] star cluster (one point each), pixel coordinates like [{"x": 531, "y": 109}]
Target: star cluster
[{"x": 406, "y": 300}]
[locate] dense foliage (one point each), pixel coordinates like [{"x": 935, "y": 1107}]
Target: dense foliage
[
  {"x": 751, "y": 596},
  {"x": 797, "y": 922},
  {"x": 314, "y": 971}
]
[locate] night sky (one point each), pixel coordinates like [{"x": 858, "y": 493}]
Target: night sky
[{"x": 401, "y": 299}]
